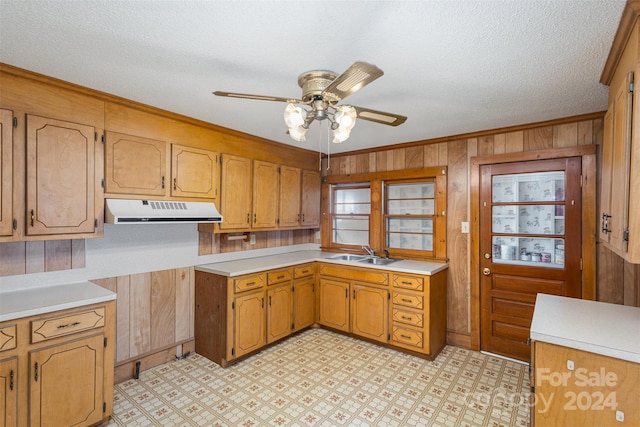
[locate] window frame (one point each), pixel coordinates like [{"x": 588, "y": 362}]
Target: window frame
[{"x": 377, "y": 235}]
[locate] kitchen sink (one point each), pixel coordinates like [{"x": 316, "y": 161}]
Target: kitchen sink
[
  {"x": 347, "y": 257},
  {"x": 377, "y": 261}
]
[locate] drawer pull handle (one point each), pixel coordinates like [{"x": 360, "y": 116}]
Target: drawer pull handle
[
  {"x": 280, "y": 277},
  {"x": 405, "y": 300},
  {"x": 406, "y": 337},
  {"x": 251, "y": 283},
  {"x": 406, "y": 317},
  {"x": 68, "y": 325},
  {"x": 404, "y": 282}
]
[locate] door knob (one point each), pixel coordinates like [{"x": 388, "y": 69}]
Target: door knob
[{"x": 486, "y": 271}]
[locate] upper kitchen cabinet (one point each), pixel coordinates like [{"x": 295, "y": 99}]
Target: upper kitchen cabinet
[
  {"x": 6, "y": 172},
  {"x": 61, "y": 176},
  {"x": 620, "y": 219},
  {"x": 194, "y": 172},
  {"x": 310, "y": 204},
  {"x": 265, "y": 194},
  {"x": 135, "y": 165},
  {"x": 235, "y": 197},
  {"x": 138, "y": 166}
]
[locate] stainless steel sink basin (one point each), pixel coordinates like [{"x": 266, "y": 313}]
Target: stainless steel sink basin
[
  {"x": 377, "y": 261},
  {"x": 347, "y": 257}
]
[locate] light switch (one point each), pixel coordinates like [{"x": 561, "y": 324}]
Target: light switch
[
  {"x": 465, "y": 227},
  {"x": 620, "y": 416},
  {"x": 570, "y": 365}
]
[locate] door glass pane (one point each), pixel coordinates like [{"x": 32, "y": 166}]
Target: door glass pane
[
  {"x": 527, "y": 219},
  {"x": 535, "y": 251},
  {"x": 528, "y": 187}
]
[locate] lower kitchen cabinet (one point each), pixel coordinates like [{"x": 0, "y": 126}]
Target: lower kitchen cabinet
[
  {"x": 278, "y": 312},
  {"x": 249, "y": 323},
  {"x": 303, "y": 301},
  {"x": 333, "y": 304},
  {"x": 56, "y": 369},
  {"x": 370, "y": 312}
]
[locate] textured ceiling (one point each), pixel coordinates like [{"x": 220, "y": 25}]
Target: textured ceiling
[{"x": 450, "y": 66}]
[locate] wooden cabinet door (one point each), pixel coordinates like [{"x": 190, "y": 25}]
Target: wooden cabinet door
[
  {"x": 310, "y": 205},
  {"x": 9, "y": 392},
  {"x": 6, "y": 172},
  {"x": 135, "y": 165},
  {"x": 249, "y": 319},
  {"x": 278, "y": 312},
  {"x": 334, "y": 304},
  {"x": 235, "y": 197},
  {"x": 303, "y": 303},
  {"x": 265, "y": 194},
  {"x": 370, "y": 312},
  {"x": 194, "y": 172},
  {"x": 289, "y": 197},
  {"x": 76, "y": 368},
  {"x": 60, "y": 177}
]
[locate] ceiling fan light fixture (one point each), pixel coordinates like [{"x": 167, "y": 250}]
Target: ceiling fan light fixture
[
  {"x": 294, "y": 116},
  {"x": 346, "y": 117},
  {"x": 298, "y": 133},
  {"x": 341, "y": 135}
]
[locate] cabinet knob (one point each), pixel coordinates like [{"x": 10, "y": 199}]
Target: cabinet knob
[{"x": 486, "y": 271}]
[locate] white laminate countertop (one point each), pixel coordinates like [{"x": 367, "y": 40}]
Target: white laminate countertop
[
  {"x": 607, "y": 329},
  {"x": 34, "y": 301},
  {"x": 254, "y": 265}
]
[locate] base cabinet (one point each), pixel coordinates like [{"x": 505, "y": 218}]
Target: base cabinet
[
  {"x": 57, "y": 370},
  {"x": 303, "y": 301},
  {"x": 334, "y": 304},
  {"x": 597, "y": 391}
]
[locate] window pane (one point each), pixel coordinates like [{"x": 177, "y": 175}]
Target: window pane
[
  {"x": 351, "y": 230},
  {"x": 421, "y": 242},
  {"x": 418, "y": 225},
  {"x": 353, "y": 195},
  {"x": 351, "y": 208},
  {"x": 351, "y": 223},
  {"x": 351, "y": 237},
  {"x": 411, "y": 207},
  {"x": 419, "y": 190}
]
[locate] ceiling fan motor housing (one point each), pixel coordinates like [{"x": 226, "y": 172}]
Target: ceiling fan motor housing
[{"x": 314, "y": 82}]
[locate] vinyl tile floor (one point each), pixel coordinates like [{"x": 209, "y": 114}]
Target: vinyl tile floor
[{"x": 320, "y": 378}]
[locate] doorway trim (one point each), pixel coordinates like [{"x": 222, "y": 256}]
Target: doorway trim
[{"x": 589, "y": 214}]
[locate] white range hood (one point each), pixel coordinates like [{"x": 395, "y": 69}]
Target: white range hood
[{"x": 126, "y": 211}]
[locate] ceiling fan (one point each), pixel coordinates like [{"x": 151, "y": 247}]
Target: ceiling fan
[{"x": 321, "y": 91}]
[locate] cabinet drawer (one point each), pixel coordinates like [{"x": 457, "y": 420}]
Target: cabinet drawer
[
  {"x": 302, "y": 271},
  {"x": 408, "y": 336},
  {"x": 278, "y": 276},
  {"x": 408, "y": 317},
  {"x": 246, "y": 283},
  {"x": 8, "y": 337},
  {"x": 415, "y": 301},
  {"x": 42, "y": 330},
  {"x": 414, "y": 283}
]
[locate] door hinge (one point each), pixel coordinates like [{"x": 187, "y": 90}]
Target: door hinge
[
  {"x": 233, "y": 305},
  {"x": 11, "y": 380},
  {"x": 15, "y": 122},
  {"x": 95, "y": 223},
  {"x": 625, "y": 235},
  {"x": 95, "y": 136},
  {"x": 15, "y": 224},
  {"x": 388, "y": 337},
  {"x": 102, "y": 139},
  {"x": 581, "y": 180},
  {"x": 104, "y": 407},
  {"x": 105, "y": 342},
  {"x": 631, "y": 86},
  {"x": 233, "y": 351},
  {"x": 102, "y": 182},
  {"x": 580, "y": 264}
]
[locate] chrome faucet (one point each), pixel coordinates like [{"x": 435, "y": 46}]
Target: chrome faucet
[{"x": 369, "y": 250}]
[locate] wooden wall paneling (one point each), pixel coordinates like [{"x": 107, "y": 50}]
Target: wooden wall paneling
[
  {"x": 442, "y": 153},
  {"x": 610, "y": 279},
  {"x": 565, "y": 135},
  {"x": 381, "y": 161},
  {"x": 430, "y": 155},
  {"x": 631, "y": 284},
  {"x": 57, "y": 255},
  {"x": 539, "y": 138},
  {"x": 12, "y": 258},
  {"x": 414, "y": 157},
  {"x": 499, "y": 143},
  {"x": 139, "y": 314},
  {"x": 205, "y": 243},
  {"x": 399, "y": 159},
  {"x": 589, "y": 226},
  {"x": 34, "y": 257},
  {"x": 457, "y": 208},
  {"x": 78, "y": 259},
  {"x": 183, "y": 314},
  {"x": 514, "y": 142},
  {"x": 163, "y": 308},
  {"x": 485, "y": 145},
  {"x": 585, "y": 135}
]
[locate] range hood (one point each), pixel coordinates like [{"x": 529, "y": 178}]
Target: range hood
[{"x": 125, "y": 211}]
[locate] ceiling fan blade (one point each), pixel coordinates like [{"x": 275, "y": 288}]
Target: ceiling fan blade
[
  {"x": 380, "y": 116},
  {"x": 258, "y": 97},
  {"x": 355, "y": 78}
]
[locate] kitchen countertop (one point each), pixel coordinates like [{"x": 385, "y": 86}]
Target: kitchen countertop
[
  {"x": 34, "y": 301},
  {"x": 607, "y": 329},
  {"x": 254, "y": 265}
]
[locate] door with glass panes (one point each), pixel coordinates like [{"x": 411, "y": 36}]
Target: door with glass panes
[{"x": 530, "y": 243}]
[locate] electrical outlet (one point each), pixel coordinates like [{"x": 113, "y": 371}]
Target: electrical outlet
[
  {"x": 465, "y": 227},
  {"x": 570, "y": 365},
  {"x": 620, "y": 416},
  {"x": 252, "y": 239}
]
